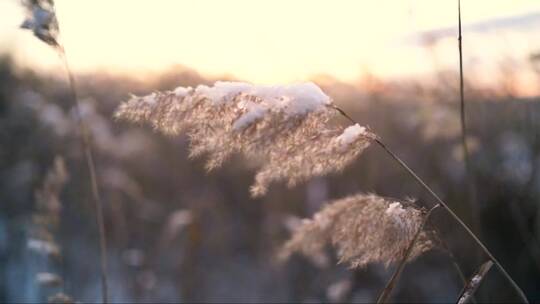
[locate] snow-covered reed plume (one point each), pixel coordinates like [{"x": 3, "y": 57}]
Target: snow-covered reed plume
[
  {"x": 364, "y": 228},
  {"x": 286, "y": 127},
  {"x": 41, "y": 20}
]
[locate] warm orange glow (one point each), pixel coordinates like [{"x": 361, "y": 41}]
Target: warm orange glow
[{"x": 261, "y": 41}]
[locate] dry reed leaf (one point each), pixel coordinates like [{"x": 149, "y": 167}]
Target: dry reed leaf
[{"x": 468, "y": 291}]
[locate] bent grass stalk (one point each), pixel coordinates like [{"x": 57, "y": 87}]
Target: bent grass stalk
[{"x": 447, "y": 208}]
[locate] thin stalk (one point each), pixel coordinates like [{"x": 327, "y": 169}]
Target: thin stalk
[
  {"x": 93, "y": 177},
  {"x": 383, "y": 297},
  {"x": 461, "y": 91},
  {"x": 468, "y": 170},
  {"x": 447, "y": 208}
]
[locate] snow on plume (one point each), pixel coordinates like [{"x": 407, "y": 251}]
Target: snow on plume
[
  {"x": 350, "y": 134},
  {"x": 255, "y": 113},
  {"x": 395, "y": 209},
  {"x": 285, "y": 127}
]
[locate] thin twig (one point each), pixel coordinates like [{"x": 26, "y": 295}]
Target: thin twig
[
  {"x": 468, "y": 291},
  {"x": 461, "y": 92},
  {"x": 471, "y": 190},
  {"x": 447, "y": 208},
  {"x": 93, "y": 177},
  {"x": 383, "y": 297}
]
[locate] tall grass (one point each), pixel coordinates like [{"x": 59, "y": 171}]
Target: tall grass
[
  {"x": 290, "y": 131},
  {"x": 43, "y": 22}
]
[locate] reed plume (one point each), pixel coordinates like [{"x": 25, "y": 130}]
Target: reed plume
[
  {"x": 364, "y": 228},
  {"x": 47, "y": 216},
  {"x": 287, "y": 128},
  {"x": 41, "y": 20},
  {"x": 45, "y": 221}
]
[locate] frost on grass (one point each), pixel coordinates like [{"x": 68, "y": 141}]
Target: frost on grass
[
  {"x": 363, "y": 229},
  {"x": 286, "y": 127}
]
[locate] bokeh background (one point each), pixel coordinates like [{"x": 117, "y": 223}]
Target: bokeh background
[{"x": 176, "y": 233}]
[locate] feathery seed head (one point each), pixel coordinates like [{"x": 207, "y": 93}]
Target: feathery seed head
[
  {"x": 286, "y": 127},
  {"x": 364, "y": 229}
]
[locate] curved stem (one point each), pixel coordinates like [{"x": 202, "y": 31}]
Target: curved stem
[
  {"x": 456, "y": 218},
  {"x": 447, "y": 208}
]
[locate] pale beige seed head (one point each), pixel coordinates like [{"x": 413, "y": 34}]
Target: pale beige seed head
[
  {"x": 363, "y": 229},
  {"x": 286, "y": 128},
  {"x": 46, "y": 218}
]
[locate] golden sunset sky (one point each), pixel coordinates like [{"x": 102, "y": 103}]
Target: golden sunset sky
[{"x": 271, "y": 41}]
